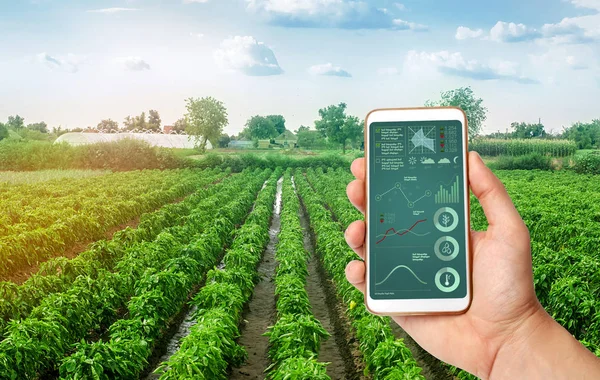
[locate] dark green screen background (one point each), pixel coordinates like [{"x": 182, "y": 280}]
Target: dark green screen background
[{"x": 416, "y": 215}]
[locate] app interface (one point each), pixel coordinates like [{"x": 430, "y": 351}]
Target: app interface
[{"x": 416, "y": 216}]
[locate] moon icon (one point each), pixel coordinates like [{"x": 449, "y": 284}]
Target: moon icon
[{"x": 455, "y": 158}]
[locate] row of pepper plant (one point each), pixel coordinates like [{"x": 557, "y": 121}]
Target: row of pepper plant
[
  {"x": 159, "y": 296},
  {"x": 210, "y": 348},
  {"x": 37, "y": 344},
  {"x": 295, "y": 338},
  {"x": 562, "y": 212},
  {"x": 385, "y": 356},
  {"x": 57, "y": 274},
  {"x": 36, "y": 233}
]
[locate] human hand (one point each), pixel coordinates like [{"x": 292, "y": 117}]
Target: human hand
[{"x": 504, "y": 307}]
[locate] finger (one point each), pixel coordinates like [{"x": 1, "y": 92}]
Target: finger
[
  {"x": 495, "y": 201},
  {"x": 355, "y": 237},
  {"x": 356, "y": 194},
  {"x": 358, "y": 168},
  {"x": 355, "y": 274}
]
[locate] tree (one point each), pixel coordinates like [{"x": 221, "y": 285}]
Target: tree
[
  {"x": 206, "y": 118},
  {"x": 180, "y": 125},
  {"x": 465, "y": 99},
  {"x": 244, "y": 135},
  {"x": 303, "y": 128},
  {"x": 527, "y": 131},
  {"x": 154, "y": 122},
  {"x": 586, "y": 135},
  {"x": 278, "y": 122},
  {"x": 310, "y": 139},
  {"x": 224, "y": 140},
  {"x": 355, "y": 128},
  {"x": 40, "y": 127},
  {"x": 260, "y": 127},
  {"x": 108, "y": 124},
  {"x": 337, "y": 126},
  {"x": 129, "y": 123},
  {"x": 59, "y": 131},
  {"x": 3, "y": 132},
  {"x": 15, "y": 122},
  {"x": 140, "y": 122}
]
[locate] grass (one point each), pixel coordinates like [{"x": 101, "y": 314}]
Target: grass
[
  {"x": 293, "y": 153},
  {"x": 16, "y": 178},
  {"x": 182, "y": 152},
  {"x": 582, "y": 152}
]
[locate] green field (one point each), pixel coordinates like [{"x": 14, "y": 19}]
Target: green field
[
  {"x": 204, "y": 262},
  {"x": 47, "y": 175}
]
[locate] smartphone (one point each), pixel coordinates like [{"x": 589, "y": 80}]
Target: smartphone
[{"x": 418, "y": 252}]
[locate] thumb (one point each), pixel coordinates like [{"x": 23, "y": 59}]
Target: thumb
[{"x": 495, "y": 201}]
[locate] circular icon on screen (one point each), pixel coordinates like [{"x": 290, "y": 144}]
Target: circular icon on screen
[
  {"x": 447, "y": 280},
  {"x": 445, "y": 219},
  {"x": 446, "y": 248}
]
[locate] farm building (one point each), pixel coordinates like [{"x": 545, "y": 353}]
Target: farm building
[
  {"x": 287, "y": 139},
  {"x": 154, "y": 139}
]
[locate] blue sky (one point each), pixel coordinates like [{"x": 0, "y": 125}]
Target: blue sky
[{"x": 75, "y": 62}]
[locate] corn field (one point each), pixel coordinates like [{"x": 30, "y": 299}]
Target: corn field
[{"x": 519, "y": 147}]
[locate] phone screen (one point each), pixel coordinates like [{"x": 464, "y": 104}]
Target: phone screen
[{"x": 417, "y": 233}]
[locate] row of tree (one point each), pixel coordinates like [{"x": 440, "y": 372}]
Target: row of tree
[
  {"x": 205, "y": 119},
  {"x": 17, "y": 124},
  {"x": 151, "y": 123}
]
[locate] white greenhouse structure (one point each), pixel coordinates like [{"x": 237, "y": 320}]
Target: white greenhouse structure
[{"x": 154, "y": 139}]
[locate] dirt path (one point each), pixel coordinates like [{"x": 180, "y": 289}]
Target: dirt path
[
  {"x": 260, "y": 313},
  {"x": 432, "y": 367}
]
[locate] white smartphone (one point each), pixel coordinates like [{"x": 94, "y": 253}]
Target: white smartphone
[{"x": 418, "y": 252}]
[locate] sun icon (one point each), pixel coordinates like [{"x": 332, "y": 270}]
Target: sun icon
[{"x": 412, "y": 160}]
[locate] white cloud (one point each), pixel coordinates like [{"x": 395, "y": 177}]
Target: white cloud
[
  {"x": 454, "y": 64},
  {"x": 329, "y": 69},
  {"x": 511, "y": 32},
  {"x": 68, "y": 63},
  {"x": 388, "y": 71},
  {"x": 405, "y": 25},
  {"x": 112, "y": 10},
  {"x": 464, "y": 33},
  {"x": 343, "y": 14},
  {"x": 590, "y": 4},
  {"x": 400, "y": 6},
  {"x": 574, "y": 30},
  {"x": 133, "y": 63},
  {"x": 247, "y": 55},
  {"x": 195, "y": 1},
  {"x": 197, "y": 35},
  {"x": 569, "y": 31}
]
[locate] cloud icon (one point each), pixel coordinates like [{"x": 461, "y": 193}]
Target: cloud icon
[
  {"x": 428, "y": 161},
  {"x": 444, "y": 161}
]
